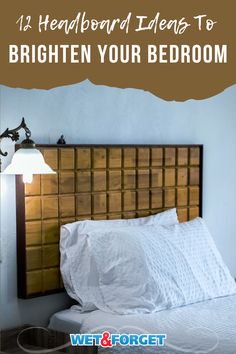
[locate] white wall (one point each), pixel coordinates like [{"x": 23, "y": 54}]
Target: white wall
[{"x": 86, "y": 113}]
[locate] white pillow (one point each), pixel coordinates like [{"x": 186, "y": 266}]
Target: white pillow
[
  {"x": 76, "y": 265},
  {"x": 168, "y": 217},
  {"x": 151, "y": 268}
]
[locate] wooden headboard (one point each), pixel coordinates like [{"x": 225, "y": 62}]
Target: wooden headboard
[{"x": 98, "y": 182}]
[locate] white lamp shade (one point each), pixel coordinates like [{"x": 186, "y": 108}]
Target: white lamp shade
[{"x": 28, "y": 161}]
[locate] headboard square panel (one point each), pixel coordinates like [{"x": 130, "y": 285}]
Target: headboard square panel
[
  {"x": 67, "y": 206},
  {"x": 67, "y": 159},
  {"x": 83, "y": 158},
  {"x": 143, "y": 157},
  {"x": 182, "y": 176},
  {"x": 98, "y": 182},
  {"x": 66, "y": 182},
  {"x": 115, "y": 158},
  {"x": 157, "y": 198},
  {"x": 49, "y": 184},
  {"x": 157, "y": 157},
  {"x": 33, "y": 209},
  {"x": 183, "y": 156},
  {"x": 33, "y": 233},
  {"x": 99, "y": 159},
  {"x": 170, "y": 156},
  {"x": 129, "y": 157},
  {"x": 114, "y": 180}
]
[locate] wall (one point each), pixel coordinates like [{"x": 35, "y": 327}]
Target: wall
[{"x": 86, "y": 113}]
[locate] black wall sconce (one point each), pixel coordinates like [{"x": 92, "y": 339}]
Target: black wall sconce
[{"x": 26, "y": 161}]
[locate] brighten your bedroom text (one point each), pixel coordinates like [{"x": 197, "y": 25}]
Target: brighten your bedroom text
[{"x": 124, "y": 54}]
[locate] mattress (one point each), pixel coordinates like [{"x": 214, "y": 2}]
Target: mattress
[{"x": 204, "y": 327}]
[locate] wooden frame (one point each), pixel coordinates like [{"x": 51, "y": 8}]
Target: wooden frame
[{"x": 98, "y": 182}]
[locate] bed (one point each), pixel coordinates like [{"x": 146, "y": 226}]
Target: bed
[
  {"x": 208, "y": 327},
  {"x": 129, "y": 183},
  {"x": 191, "y": 299}
]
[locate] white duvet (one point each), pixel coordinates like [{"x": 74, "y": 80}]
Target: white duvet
[{"x": 204, "y": 327}]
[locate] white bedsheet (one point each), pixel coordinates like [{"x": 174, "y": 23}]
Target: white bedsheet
[{"x": 206, "y": 327}]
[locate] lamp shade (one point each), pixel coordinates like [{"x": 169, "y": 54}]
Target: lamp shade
[{"x": 27, "y": 162}]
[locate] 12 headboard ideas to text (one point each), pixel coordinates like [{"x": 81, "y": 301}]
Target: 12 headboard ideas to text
[{"x": 98, "y": 182}]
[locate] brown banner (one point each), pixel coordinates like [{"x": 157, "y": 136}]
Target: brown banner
[{"x": 177, "y": 50}]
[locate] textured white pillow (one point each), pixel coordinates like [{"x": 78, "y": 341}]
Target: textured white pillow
[
  {"x": 151, "y": 268},
  {"x": 77, "y": 268}
]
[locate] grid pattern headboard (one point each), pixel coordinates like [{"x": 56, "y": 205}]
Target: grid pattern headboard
[{"x": 98, "y": 182}]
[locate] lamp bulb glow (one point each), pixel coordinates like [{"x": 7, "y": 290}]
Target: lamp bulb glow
[{"x": 27, "y": 178}]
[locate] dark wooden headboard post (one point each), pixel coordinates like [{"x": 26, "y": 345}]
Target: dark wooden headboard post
[
  {"x": 98, "y": 182},
  {"x": 20, "y": 231}
]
